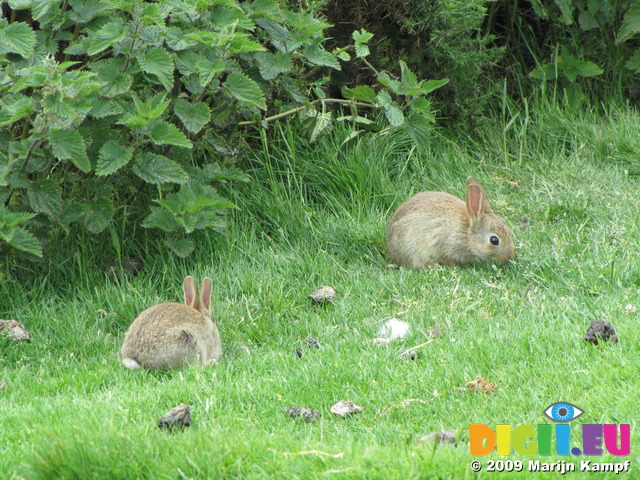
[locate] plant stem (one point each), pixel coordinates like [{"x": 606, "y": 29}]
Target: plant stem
[{"x": 299, "y": 109}]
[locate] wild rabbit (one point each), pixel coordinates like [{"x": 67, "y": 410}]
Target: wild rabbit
[
  {"x": 435, "y": 227},
  {"x": 170, "y": 335}
]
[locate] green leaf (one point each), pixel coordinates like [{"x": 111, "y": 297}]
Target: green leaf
[
  {"x": 418, "y": 128},
  {"x": 159, "y": 169},
  {"x": 362, "y": 36},
  {"x": 548, "y": 71},
  {"x": 99, "y": 214},
  {"x": 165, "y": 133},
  {"x": 113, "y": 156},
  {"x": 634, "y": 61},
  {"x": 396, "y": 86},
  {"x": 13, "y": 219},
  {"x": 431, "y": 85},
  {"x": 24, "y": 241},
  {"x": 273, "y": 64},
  {"x": 630, "y": 24},
  {"x": 319, "y": 56},
  {"x": 182, "y": 248},
  {"x": 391, "y": 110},
  {"x": 408, "y": 78},
  {"x": 105, "y": 36},
  {"x": 162, "y": 219},
  {"x": 110, "y": 74},
  {"x": 364, "y": 93},
  {"x": 245, "y": 90},
  {"x": 207, "y": 70},
  {"x": 194, "y": 116},
  {"x": 157, "y": 61},
  {"x": 17, "y": 37},
  {"x": 18, "y": 108},
  {"x": 241, "y": 43},
  {"x": 324, "y": 121},
  {"x": 45, "y": 196},
  {"x": 69, "y": 145},
  {"x": 566, "y": 8}
]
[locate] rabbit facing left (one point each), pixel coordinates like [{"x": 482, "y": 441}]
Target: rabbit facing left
[{"x": 171, "y": 334}]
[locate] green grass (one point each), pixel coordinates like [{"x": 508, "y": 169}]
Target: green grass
[{"x": 316, "y": 215}]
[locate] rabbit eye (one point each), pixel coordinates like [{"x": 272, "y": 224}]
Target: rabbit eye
[{"x": 494, "y": 240}]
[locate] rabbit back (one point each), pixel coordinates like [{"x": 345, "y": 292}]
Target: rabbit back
[
  {"x": 429, "y": 228},
  {"x": 170, "y": 335}
]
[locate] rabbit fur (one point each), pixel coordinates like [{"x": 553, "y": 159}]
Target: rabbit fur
[
  {"x": 436, "y": 227},
  {"x": 170, "y": 335}
]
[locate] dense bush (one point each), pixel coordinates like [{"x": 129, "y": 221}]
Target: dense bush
[{"x": 139, "y": 108}]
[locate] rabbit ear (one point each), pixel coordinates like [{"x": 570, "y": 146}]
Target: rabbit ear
[
  {"x": 477, "y": 203},
  {"x": 205, "y": 294},
  {"x": 189, "y": 291}
]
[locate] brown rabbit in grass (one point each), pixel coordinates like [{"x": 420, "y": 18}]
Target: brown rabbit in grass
[
  {"x": 435, "y": 227},
  {"x": 170, "y": 335}
]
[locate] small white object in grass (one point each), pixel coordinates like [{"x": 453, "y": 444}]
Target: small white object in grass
[
  {"x": 344, "y": 408},
  {"x": 629, "y": 309},
  {"x": 394, "y": 328}
]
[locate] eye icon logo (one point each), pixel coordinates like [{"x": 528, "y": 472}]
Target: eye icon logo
[{"x": 562, "y": 412}]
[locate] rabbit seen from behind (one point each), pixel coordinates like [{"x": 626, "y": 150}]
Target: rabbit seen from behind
[
  {"x": 170, "y": 335},
  {"x": 436, "y": 227}
]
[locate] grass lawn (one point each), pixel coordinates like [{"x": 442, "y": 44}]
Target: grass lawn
[{"x": 315, "y": 215}]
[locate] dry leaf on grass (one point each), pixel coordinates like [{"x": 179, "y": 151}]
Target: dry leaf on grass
[
  {"x": 480, "y": 384},
  {"x": 179, "y": 416},
  {"x": 15, "y": 330},
  {"x": 446, "y": 436},
  {"x": 344, "y": 408},
  {"x": 307, "y": 414},
  {"x": 324, "y": 294}
]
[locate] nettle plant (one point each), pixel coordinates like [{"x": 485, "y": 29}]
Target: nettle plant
[{"x": 120, "y": 107}]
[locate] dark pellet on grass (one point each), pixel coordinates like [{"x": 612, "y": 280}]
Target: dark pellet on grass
[
  {"x": 600, "y": 331},
  {"x": 178, "y": 417}
]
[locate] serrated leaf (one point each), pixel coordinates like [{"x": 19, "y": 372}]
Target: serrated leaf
[
  {"x": 13, "y": 219},
  {"x": 548, "y": 71},
  {"x": 362, "y": 50},
  {"x": 630, "y": 24},
  {"x": 324, "y": 120},
  {"x": 194, "y": 116},
  {"x": 634, "y": 61},
  {"x": 165, "y": 133},
  {"x": 107, "y": 35},
  {"x": 319, "y": 56},
  {"x": 69, "y": 145},
  {"x": 45, "y": 196},
  {"x": 273, "y": 64},
  {"x": 99, "y": 214},
  {"x": 162, "y": 219},
  {"x": 24, "y": 241},
  {"x": 157, "y": 61},
  {"x": 17, "y": 37},
  {"x": 159, "y": 169},
  {"x": 16, "y": 110},
  {"x": 391, "y": 110},
  {"x": 407, "y": 77},
  {"x": 242, "y": 43},
  {"x": 566, "y": 8},
  {"x": 182, "y": 248},
  {"x": 362, "y": 36},
  {"x": 112, "y": 157},
  {"x": 208, "y": 70},
  {"x": 363, "y": 93},
  {"x": 110, "y": 73},
  {"x": 245, "y": 90},
  {"x": 105, "y": 108},
  {"x": 431, "y": 85},
  {"x": 418, "y": 128}
]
